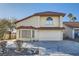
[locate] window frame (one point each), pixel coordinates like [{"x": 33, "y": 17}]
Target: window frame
[
  {"x": 49, "y": 20},
  {"x": 26, "y": 34}
]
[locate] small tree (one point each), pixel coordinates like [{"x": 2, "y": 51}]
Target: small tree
[
  {"x": 6, "y": 25},
  {"x": 12, "y": 25},
  {"x": 3, "y": 27}
]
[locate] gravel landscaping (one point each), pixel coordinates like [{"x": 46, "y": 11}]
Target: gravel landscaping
[{"x": 61, "y": 48}]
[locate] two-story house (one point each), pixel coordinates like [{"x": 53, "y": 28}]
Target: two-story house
[{"x": 41, "y": 26}]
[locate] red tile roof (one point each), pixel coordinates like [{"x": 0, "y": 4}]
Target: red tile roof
[
  {"x": 72, "y": 24},
  {"x": 40, "y": 28},
  {"x": 47, "y": 13}
]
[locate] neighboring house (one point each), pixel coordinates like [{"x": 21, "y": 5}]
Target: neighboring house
[
  {"x": 41, "y": 26},
  {"x": 71, "y": 29}
]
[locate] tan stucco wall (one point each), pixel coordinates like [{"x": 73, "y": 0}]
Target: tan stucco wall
[
  {"x": 40, "y": 21},
  {"x": 33, "y": 21},
  {"x": 55, "y": 23},
  {"x": 68, "y": 31}
]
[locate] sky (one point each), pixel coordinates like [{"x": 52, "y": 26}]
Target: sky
[{"x": 22, "y": 10}]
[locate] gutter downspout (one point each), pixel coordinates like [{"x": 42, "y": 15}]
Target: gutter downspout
[{"x": 73, "y": 33}]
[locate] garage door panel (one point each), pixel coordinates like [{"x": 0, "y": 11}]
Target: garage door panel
[{"x": 50, "y": 35}]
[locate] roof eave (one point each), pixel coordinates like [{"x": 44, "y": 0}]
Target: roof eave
[{"x": 37, "y": 14}]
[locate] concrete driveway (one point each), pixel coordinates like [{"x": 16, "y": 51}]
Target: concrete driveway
[{"x": 65, "y": 46}]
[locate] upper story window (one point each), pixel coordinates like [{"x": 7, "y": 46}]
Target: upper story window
[{"x": 49, "y": 20}]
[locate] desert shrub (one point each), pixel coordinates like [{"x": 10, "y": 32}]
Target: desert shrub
[{"x": 18, "y": 45}]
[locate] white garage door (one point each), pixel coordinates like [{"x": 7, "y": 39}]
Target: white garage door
[{"x": 50, "y": 35}]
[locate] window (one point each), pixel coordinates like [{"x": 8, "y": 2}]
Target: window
[
  {"x": 26, "y": 33},
  {"x": 49, "y": 20}
]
